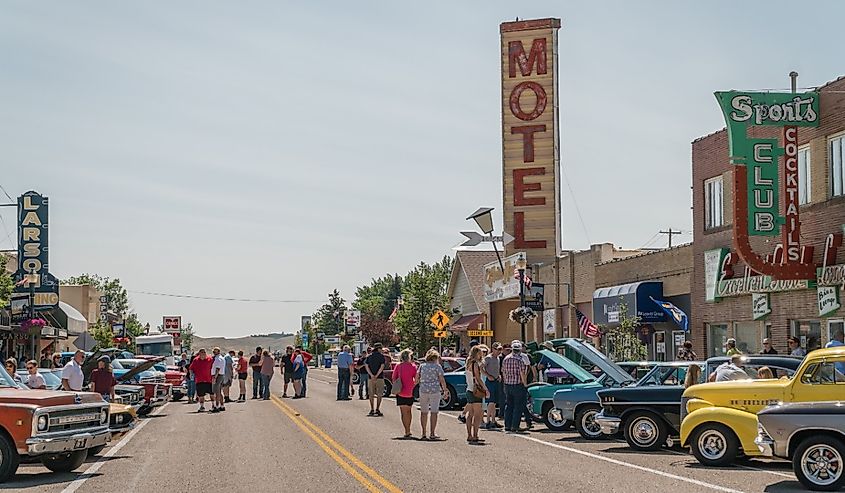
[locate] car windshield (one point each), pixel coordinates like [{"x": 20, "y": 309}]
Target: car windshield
[
  {"x": 51, "y": 380},
  {"x": 128, "y": 364},
  {"x": 117, "y": 365},
  {"x": 667, "y": 375},
  {"x": 6, "y": 380}
]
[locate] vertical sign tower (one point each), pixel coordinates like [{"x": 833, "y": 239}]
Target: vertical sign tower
[{"x": 530, "y": 137}]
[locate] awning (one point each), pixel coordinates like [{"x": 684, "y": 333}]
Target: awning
[
  {"x": 607, "y": 302},
  {"x": 467, "y": 322},
  {"x": 68, "y": 318}
]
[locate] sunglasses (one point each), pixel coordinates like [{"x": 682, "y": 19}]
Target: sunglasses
[{"x": 30, "y": 367}]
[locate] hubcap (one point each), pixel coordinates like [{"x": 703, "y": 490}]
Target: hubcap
[
  {"x": 644, "y": 431},
  {"x": 588, "y": 422},
  {"x": 822, "y": 464},
  {"x": 712, "y": 444},
  {"x": 555, "y": 417}
]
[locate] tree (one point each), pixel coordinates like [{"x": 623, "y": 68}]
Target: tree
[
  {"x": 623, "y": 344},
  {"x": 329, "y": 319},
  {"x": 423, "y": 292},
  {"x": 102, "y": 333},
  {"x": 118, "y": 298},
  {"x": 6, "y": 283},
  {"x": 187, "y": 333},
  {"x": 377, "y": 300},
  {"x": 376, "y": 330}
]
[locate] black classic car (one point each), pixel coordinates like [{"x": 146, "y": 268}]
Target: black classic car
[{"x": 650, "y": 413}]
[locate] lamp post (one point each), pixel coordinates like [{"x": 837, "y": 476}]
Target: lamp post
[
  {"x": 483, "y": 217},
  {"x": 521, "y": 264}
]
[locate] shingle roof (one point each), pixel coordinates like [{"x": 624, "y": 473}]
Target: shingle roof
[{"x": 472, "y": 263}]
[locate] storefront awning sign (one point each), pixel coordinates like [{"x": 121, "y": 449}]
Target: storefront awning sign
[{"x": 608, "y": 302}]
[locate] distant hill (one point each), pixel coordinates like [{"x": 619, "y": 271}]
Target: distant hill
[{"x": 246, "y": 344}]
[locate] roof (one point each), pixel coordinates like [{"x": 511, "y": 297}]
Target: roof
[
  {"x": 620, "y": 290},
  {"x": 472, "y": 263}
]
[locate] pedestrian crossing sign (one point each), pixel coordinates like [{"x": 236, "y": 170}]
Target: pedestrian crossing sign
[{"x": 439, "y": 319}]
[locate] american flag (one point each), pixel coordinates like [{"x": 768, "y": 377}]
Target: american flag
[{"x": 586, "y": 325}]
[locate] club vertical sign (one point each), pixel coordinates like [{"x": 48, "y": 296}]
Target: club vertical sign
[
  {"x": 33, "y": 255},
  {"x": 530, "y": 137}
]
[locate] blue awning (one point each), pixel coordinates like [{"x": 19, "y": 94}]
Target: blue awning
[{"x": 636, "y": 296}]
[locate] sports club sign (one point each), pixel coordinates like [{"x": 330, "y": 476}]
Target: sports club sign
[
  {"x": 172, "y": 324},
  {"x": 758, "y": 193},
  {"x": 530, "y": 137}
]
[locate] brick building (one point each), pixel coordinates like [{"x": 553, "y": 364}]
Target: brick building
[{"x": 723, "y": 308}]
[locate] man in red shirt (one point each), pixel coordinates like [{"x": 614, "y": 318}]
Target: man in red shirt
[{"x": 201, "y": 366}]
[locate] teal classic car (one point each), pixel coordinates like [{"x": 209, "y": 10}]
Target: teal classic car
[
  {"x": 580, "y": 405},
  {"x": 561, "y": 373}
]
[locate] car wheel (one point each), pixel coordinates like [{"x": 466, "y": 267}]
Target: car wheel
[
  {"x": 818, "y": 463},
  {"x": 450, "y": 401},
  {"x": 388, "y": 387},
  {"x": 9, "y": 459},
  {"x": 645, "y": 431},
  {"x": 585, "y": 422},
  {"x": 714, "y": 445},
  {"x": 553, "y": 418},
  {"x": 95, "y": 450},
  {"x": 65, "y": 462},
  {"x": 176, "y": 397}
]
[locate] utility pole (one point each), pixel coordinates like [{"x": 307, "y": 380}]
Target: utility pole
[{"x": 671, "y": 233}]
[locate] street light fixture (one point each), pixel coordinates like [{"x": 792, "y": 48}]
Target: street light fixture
[
  {"x": 483, "y": 217},
  {"x": 521, "y": 264}
]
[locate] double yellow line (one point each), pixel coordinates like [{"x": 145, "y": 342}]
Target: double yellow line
[{"x": 373, "y": 481}]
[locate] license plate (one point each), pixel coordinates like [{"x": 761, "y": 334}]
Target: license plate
[{"x": 80, "y": 443}]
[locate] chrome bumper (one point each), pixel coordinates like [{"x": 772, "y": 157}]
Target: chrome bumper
[
  {"x": 179, "y": 389},
  {"x": 609, "y": 425},
  {"x": 69, "y": 443},
  {"x": 765, "y": 445}
]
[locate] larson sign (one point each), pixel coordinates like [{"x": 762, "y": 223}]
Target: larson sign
[{"x": 530, "y": 137}]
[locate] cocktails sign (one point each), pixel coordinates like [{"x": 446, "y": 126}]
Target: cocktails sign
[{"x": 757, "y": 191}]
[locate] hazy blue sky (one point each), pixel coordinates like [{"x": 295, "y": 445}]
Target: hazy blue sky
[{"x": 282, "y": 149}]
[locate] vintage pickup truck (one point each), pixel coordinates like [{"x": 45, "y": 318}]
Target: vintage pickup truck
[
  {"x": 812, "y": 436},
  {"x": 720, "y": 419},
  {"x": 56, "y": 428}
]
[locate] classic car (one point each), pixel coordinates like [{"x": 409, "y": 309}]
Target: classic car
[
  {"x": 811, "y": 435},
  {"x": 156, "y": 390},
  {"x": 174, "y": 377},
  {"x": 578, "y": 381},
  {"x": 649, "y": 411},
  {"x": 720, "y": 421},
  {"x": 56, "y": 428},
  {"x": 580, "y": 404}
]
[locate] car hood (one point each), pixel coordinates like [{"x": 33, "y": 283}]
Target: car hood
[
  {"x": 121, "y": 408},
  {"x": 827, "y": 407},
  {"x": 138, "y": 369},
  {"x": 609, "y": 368},
  {"x": 575, "y": 371},
  {"x": 43, "y": 398},
  {"x": 750, "y": 395},
  {"x": 650, "y": 393},
  {"x": 547, "y": 389}
]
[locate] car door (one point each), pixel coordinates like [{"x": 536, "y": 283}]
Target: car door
[{"x": 821, "y": 380}]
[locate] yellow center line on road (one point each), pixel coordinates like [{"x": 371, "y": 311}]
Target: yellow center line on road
[
  {"x": 331, "y": 453},
  {"x": 392, "y": 488}
]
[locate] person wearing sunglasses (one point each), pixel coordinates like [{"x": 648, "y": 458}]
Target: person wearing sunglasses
[
  {"x": 12, "y": 368},
  {"x": 767, "y": 347},
  {"x": 34, "y": 380}
]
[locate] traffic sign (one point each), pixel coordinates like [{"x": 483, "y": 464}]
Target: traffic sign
[
  {"x": 440, "y": 334},
  {"x": 439, "y": 319},
  {"x": 479, "y": 333}
]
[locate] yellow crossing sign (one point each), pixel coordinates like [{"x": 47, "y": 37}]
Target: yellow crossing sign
[
  {"x": 440, "y": 334},
  {"x": 439, "y": 320}
]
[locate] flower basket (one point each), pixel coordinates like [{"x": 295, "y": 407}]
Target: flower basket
[
  {"x": 32, "y": 326},
  {"x": 522, "y": 315}
]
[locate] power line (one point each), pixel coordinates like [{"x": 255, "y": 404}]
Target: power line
[
  {"x": 6, "y": 193},
  {"x": 217, "y": 298},
  {"x": 575, "y": 201}
]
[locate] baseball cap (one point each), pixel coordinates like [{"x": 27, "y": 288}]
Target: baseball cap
[
  {"x": 766, "y": 340},
  {"x": 516, "y": 345},
  {"x": 794, "y": 339},
  {"x": 497, "y": 345},
  {"x": 730, "y": 340}
]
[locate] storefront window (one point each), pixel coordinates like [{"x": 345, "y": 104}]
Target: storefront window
[
  {"x": 747, "y": 336},
  {"x": 808, "y": 331},
  {"x": 717, "y": 334},
  {"x": 834, "y": 327}
]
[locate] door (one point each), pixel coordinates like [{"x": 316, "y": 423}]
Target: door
[
  {"x": 660, "y": 345},
  {"x": 821, "y": 380}
]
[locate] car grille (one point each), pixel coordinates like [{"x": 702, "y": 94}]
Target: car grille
[
  {"x": 152, "y": 380},
  {"x": 73, "y": 419}
]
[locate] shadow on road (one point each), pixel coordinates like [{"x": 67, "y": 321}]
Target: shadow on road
[
  {"x": 97, "y": 458},
  {"x": 629, "y": 451},
  {"x": 151, "y": 416},
  {"x": 784, "y": 486},
  {"x": 38, "y": 479}
]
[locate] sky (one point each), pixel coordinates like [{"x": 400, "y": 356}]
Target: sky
[{"x": 278, "y": 150}]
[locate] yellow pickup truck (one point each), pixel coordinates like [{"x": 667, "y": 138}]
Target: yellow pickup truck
[{"x": 720, "y": 419}]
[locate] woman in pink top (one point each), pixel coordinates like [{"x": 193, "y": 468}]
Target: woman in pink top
[{"x": 405, "y": 371}]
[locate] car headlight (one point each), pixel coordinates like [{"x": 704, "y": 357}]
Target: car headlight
[
  {"x": 104, "y": 416},
  {"x": 43, "y": 422}
]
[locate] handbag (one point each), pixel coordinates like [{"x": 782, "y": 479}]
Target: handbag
[{"x": 396, "y": 385}]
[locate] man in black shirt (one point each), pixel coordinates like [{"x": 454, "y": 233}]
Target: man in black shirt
[
  {"x": 375, "y": 371},
  {"x": 286, "y": 367},
  {"x": 255, "y": 364},
  {"x": 767, "y": 347}
]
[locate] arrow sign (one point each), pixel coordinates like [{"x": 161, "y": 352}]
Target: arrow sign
[{"x": 474, "y": 238}]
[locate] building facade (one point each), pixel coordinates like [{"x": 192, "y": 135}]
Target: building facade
[{"x": 731, "y": 301}]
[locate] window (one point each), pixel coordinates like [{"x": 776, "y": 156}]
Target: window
[
  {"x": 713, "y": 203},
  {"x": 809, "y": 332},
  {"x": 717, "y": 334},
  {"x": 824, "y": 373},
  {"x": 804, "y": 178},
  {"x": 747, "y": 337},
  {"x": 837, "y": 166}
]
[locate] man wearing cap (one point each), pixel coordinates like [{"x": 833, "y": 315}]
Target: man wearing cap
[
  {"x": 730, "y": 347},
  {"x": 514, "y": 378},
  {"x": 795, "y": 348},
  {"x": 767, "y": 347},
  {"x": 102, "y": 379},
  {"x": 492, "y": 370}
]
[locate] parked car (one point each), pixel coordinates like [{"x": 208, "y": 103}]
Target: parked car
[
  {"x": 649, "y": 412},
  {"x": 55, "y": 428},
  {"x": 175, "y": 377},
  {"x": 580, "y": 404},
  {"x": 577, "y": 382},
  {"x": 720, "y": 421},
  {"x": 812, "y": 436}
]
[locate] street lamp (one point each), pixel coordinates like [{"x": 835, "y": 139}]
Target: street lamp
[
  {"x": 483, "y": 217},
  {"x": 521, "y": 264}
]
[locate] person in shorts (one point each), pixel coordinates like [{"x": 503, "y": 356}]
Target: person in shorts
[
  {"x": 201, "y": 368},
  {"x": 491, "y": 369},
  {"x": 242, "y": 368},
  {"x": 375, "y": 365},
  {"x": 432, "y": 385},
  {"x": 218, "y": 378}
]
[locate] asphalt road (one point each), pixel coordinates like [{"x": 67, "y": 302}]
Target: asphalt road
[{"x": 320, "y": 445}]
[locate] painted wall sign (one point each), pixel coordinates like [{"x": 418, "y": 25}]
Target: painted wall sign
[
  {"x": 713, "y": 260},
  {"x": 757, "y": 191},
  {"x": 549, "y": 323},
  {"x": 760, "y": 307},
  {"x": 757, "y": 284},
  {"x": 34, "y": 253},
  {"x": 530, "y": 137},
  {"x": 498, "y": 286},
  {"x": 828, "y": 299}
]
